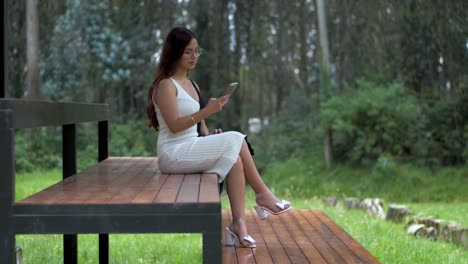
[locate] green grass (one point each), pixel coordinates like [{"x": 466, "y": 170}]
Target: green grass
[
  {"x": 385, "y": 240},
  {"x": 135, "y": 248},
  {"x": 402, "y": 183}
]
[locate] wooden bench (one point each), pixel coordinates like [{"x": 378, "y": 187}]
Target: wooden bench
[
  {"x": 299, "y": 236},
  {"x": 118, "y": 195},
  {"x": 127, "y": 195}
]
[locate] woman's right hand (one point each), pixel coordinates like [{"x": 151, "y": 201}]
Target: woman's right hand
[{"x": 216, "y": 104}]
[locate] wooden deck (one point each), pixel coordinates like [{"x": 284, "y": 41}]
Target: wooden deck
[
  {"x": 126, "y": 195},
  {"x": 300, "y": 236}
]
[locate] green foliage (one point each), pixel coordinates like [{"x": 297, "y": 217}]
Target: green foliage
[
  {"x": 38, "y": 148},
  {"x": 396, "y": 182},
  {"x": 132, "y": 138},
  {"x": 293, "y": 132},
  {"x": 128, "y": 248},
  {"x": 86, "y": 52},
  {"x": 446, "y": 132},
  {"x": 41, "y": 148},
  {"x": 372, "y": 120},
  {"x": 385, "y": 166}
]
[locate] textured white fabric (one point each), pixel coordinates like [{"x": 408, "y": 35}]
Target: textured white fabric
[{"x": 185, "y": 152}]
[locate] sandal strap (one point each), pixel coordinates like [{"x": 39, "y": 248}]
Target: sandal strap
[
  {"x": 283, "y": 204},
  {"x": 248, "y": 238},
  {"x": 260, "y": 195},
  {"x": 238, "y": 220}
]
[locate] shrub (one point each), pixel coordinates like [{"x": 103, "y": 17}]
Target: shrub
[
  {"x": 293, "y": 133},
  {"x": 41, "y": 148},
  {"x": 446, "y": 132},
  {"x": 373, "y": 120}
]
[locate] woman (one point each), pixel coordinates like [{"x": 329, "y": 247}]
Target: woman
[{"x": 174, "y": 110}]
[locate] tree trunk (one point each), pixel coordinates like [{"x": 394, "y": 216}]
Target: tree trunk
[
  {"x": 324, "y": 76},
  {"x": 352, "y": 203},
  {"x": 6, "y": 28},
  {"x": 33, "y": 78},
  {"x": 303, "y": 74},
  {"x": 397, "y": 213}
]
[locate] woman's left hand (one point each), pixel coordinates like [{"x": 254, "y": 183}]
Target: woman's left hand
[{"x": 216, "y": 131}]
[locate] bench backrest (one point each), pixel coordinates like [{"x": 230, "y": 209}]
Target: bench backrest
[{"x": 19, "y": 113}]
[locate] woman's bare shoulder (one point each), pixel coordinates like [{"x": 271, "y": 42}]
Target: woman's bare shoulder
[
  {"x": 165, "y": 87},
  {"x": 165, "y": 84}
]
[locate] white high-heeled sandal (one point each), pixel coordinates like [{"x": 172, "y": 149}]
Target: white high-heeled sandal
[
  {"x": 233, "y": 240},
  {"x": 263, "y": 211}
]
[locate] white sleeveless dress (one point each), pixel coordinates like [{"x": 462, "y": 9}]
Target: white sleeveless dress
[{"x": 185, "y": 152}]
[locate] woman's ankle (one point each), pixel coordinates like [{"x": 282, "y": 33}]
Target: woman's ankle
[{"x": 261, "y": 194}]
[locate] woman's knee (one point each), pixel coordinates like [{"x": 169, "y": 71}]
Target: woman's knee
[
  {"x": 239, "y": 161},
  {"x": 238, "y": 165}
]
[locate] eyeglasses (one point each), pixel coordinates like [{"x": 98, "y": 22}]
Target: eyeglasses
[{"x": 190, "y": 52}]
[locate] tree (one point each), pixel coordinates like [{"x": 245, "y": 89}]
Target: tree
[
  {"x": 324, "y": 75},
  {"x": 33, "y": 77}
]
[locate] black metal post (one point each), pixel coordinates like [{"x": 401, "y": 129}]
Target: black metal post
[
  {"x": 70, "y": 242},
  {"x": 7, "y": 187},
  {"x": 5, "y": 50},
  {"x": 103, "y": 149},
  {"x": 103, "y": 140},
  {"x": 212, "y": 250}
]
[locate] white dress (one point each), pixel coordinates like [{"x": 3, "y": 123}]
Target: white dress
[{"x": 185, "y": 152}]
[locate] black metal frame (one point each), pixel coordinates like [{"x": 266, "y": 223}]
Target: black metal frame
[
  {"x": 15, "y": 114},
  {"x": 73, "y": 219}
]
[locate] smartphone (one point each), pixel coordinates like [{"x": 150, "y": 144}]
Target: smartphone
[{"x": 231, "y": 88}]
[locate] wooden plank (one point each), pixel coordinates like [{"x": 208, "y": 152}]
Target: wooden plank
[
  {"x": 129, "y": 192},
  {"x": 339, "y": 247},
  {"x": 95, "y": 179},
  {"x": 229, "y": 252},
  {"x": 134, "y": 183},
  {"x": 292, "y": 223},
  {"x": 153, "y": 164},
  {"x": 170, "y": 189},
  {"x": 275, "y": 248},
  {"x": 149, "y": 191},
  {"x": 209, "y": 189},
  {"x": 350, "y": 242},
  {"x": 287, "y": 241},
  {"x": 99, "y": 184},
  {"x": 246, "y": 255},
  {"x": 304, "y": 237},
  {"x": 117, "y": 182},
  {"x": 261, "y": 254},
  {"x": 189, "y": 189},
  {"x": 319, "y": 242},
  {"x": 50, "y": 194},
  {"x": 243, "y": 255}
]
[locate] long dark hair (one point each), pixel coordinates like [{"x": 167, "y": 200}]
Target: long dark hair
[{"x": 176, "y": 42}]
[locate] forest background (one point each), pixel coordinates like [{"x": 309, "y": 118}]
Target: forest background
[
  {"x": 366, "y": 84},
  {"x": 339, "y": 98}
]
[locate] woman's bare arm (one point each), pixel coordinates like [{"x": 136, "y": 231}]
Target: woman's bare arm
[{"x": 166, "y": 98}]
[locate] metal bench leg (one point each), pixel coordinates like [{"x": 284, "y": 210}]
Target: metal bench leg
[
  {"x": 70, "y": 242},
  {"x": 103, "y": 248},
  {"x": 70, "y": 249},
  {"x": 7, "y": 250},
  {"x": 7, "y": 187},
  {"x": 212, "y": 248}
]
